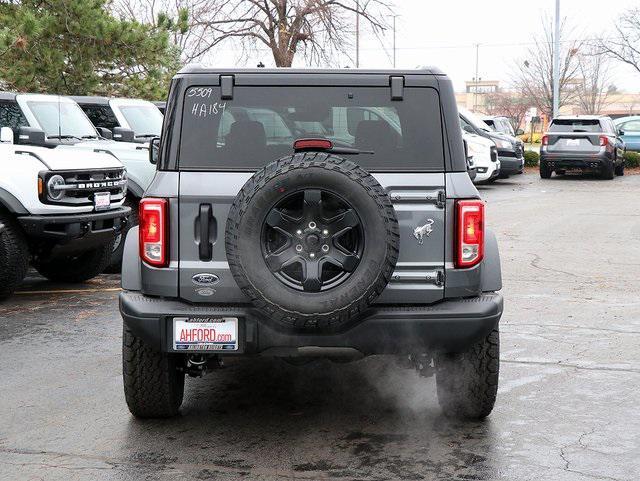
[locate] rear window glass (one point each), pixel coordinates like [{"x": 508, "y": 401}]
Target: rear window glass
[
  {"x": 260, "y": 125},
  {"x": 575, "y": 125}
]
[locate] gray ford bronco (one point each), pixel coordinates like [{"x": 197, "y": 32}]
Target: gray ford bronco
[{"x": 310, "y": 213}]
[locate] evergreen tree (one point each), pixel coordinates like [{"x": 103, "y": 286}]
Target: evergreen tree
[{"x": 76, "y": 47}]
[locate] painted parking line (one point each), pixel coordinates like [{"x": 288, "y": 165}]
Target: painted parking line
[{"x": 69, "y": 291}]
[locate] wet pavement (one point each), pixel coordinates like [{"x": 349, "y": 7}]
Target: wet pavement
[{"x": 569, "y": 384}]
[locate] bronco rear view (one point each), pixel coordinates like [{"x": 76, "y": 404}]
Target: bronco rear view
[{"x": 305, "y": 214}]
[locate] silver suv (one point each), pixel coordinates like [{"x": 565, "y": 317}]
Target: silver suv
[{"x": 310, "y": 213}]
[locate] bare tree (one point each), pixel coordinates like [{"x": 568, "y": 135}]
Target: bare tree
[
  {"x": 534, "y": 76},
  {"x": 511, "y": 104},
  {"x": 317, "y": 29},
  {"x": 625, "y": 45},
  {"x": 592, "y": 94}
]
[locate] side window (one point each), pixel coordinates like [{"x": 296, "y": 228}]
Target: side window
[
  {"x": 631, "y": 126},
  {"x": 101, "y": 116},
  {"x": 11, "y": 115}
]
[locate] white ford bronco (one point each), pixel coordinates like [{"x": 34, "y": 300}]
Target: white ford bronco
[
  {"x": 60, "y": 209},
  {"x": 63, "y": 122}
]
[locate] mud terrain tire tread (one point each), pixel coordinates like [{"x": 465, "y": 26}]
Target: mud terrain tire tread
[
  {"x": 467, "y": 383},
  {"x": 81, "y": 268},
  {"x": 14, "y": 256},
  {"x": 153, "y": 386},
  {"x": 319, "y": 320}
]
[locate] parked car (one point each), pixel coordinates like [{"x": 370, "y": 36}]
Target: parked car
[
  {"x": 585, "y": 142},
  {"x": 140, "y": 116},
  {"x": 300, "y": 246},
  {"x": 65, "y": 124},
  {"x": 510, "y": 149},
  {"x": 484, "y": 154},
  {"x": 501, "y": 124},
  {"x": 60, "y": 210},
  {"x": 629, "y": 131}
]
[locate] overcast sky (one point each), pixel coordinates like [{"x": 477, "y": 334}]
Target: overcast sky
[{"x": 444, "y": 34}]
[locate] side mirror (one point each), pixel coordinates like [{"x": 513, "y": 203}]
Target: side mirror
[
  {"x": 154, "y": 150},
  {"x": 30, "y": 136},
  {"x": 104, "y": 132},
  {"x": 620, "y": 132},
  {"x": 6, "y": 135},
  {"x": 519, "y": 132},
  {"x": 123, "y": 135}
]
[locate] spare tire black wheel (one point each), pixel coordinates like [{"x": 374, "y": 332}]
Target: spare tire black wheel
[{"x": 312, "y": 240}]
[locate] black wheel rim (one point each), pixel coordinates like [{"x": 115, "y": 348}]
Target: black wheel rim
[{"x": 312, "y": 240}]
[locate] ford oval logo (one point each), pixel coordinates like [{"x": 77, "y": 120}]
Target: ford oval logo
[{"x": 205, "y": 279}]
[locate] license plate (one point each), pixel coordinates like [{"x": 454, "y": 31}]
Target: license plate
[
  {"x": 102, "y": 200},
  {"x": 573, "y": 142},
  {"x": 205, "y": 333}
]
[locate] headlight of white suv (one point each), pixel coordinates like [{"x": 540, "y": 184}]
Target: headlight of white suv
[
  {"x": 503, "y": 144},
  {"x": 52, "y": 183}
]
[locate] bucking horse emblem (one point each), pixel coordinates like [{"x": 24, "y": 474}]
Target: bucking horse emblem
[{"x": 424, "y": 230}]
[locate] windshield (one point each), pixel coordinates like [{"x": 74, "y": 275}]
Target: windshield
[
  {"x": 474, "y": 120},
  {"x": 143, "y": 119},
  {"x": 61, "y": 118},
  {"x": 575, "y": 125}
]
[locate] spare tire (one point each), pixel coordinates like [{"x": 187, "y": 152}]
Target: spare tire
[{"x": 312, "y": 240}]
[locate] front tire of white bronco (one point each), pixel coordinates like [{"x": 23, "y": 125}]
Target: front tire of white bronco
[
  {"x": 153, "y": 384},
  {"x": 467, "y": 383},
  {"x": 76, "y": 268},
  {"x": 14, "y": 256}
]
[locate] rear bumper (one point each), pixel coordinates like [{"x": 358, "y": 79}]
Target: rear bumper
[
  {"x": 90, "y": 227},
  {"x": 451, "y": 326},
  {"x": 575, "y": 161}
]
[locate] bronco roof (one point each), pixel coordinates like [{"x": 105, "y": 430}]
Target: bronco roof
[{"x": 201, "y": 69}]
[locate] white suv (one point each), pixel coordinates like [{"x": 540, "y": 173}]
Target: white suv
[
  {"x": 485, "y": 157},
  {"x": 60, "y": 209},
  {"x": 64, "y": 123}
]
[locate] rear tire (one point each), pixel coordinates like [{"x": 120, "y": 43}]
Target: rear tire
[
  {"x": 115, "y": 264},
  {"x": 545, "y": 171},
  {"x": 14, "y": 256},
  {"x": 77, "y": 268},
  {"x": 467, "y": 383},
  {"x": 153, "y": 385},
  {"x": 607, "y": 172}
]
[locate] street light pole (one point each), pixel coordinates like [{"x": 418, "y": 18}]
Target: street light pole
[
  {"x": 357, "y": 34},
  {"x": 556, "y": 62},
  {"x": 475, "y": 91}
]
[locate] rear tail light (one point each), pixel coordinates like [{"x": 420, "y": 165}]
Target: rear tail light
[
  {"x": 604, "y": 141},
  {"x": 312, "y": 144},
  {"x": 154, "y": 223},
  {"x": 469, "y": 232},
  {"x": 545, "y": 140}
]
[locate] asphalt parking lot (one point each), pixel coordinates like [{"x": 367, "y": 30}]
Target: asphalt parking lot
[{"x": 567, "y": 406}]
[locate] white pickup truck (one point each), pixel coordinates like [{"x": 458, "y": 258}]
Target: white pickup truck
[
  {"x": 60, "y": 209},
  {"x": 65, "y": 124}
]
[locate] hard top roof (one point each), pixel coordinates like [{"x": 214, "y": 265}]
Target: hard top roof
[
  {"x": 201, "y": 69},
  {"x": 580, "y": 117},
  {"x": 7, "y": 95},
  {"x": 90, "y": 99}
]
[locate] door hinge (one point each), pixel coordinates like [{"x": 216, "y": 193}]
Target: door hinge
[
  {"x": 442, "y": 199},
  {"x": 226, "y": 87}
]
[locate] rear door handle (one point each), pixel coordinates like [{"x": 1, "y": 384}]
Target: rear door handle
[{"x": 205, "y": 247}]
